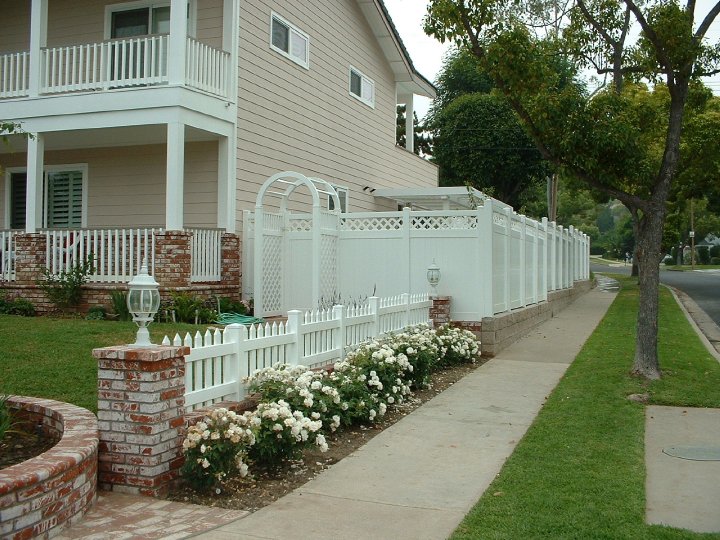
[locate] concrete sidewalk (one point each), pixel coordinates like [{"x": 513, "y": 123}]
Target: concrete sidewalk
[{"x": 418, "y": 478}]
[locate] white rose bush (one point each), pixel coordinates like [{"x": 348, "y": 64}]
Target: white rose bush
[{"x": 299, "y": 407}]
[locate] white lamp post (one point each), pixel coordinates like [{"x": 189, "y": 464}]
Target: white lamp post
[
  {"x": 433, "y": 276},
  {"x": 143, "y": 301}
]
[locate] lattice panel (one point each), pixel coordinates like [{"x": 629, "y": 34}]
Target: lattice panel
[
  {"x": 272, "y": 273},
  {"x": 372, "y": 224},
  {"x": 300, "y": 225},
  {"x": 328, "y": 265},
  {"x": 444, "y": 223}
]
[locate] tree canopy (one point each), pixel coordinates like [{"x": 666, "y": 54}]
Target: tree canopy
[{"x": 613, "y": 140}]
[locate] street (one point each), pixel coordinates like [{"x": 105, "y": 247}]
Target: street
[{"x": 702, "y": 286}]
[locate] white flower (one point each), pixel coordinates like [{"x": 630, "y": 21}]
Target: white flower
[{"x": 205, "y": 463}]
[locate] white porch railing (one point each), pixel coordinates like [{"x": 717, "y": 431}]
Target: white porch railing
[
  {"x": 218, "y": 361},
  {"x": 116, "y": 63},
  {"x": 206, "y": 255},
  {"x": 14, "y": 74},
  {"x": 207, "y": 68},
  {"x": 117, "y": 253},
  {"x": 98, "y": 66},
  {"x": 7, "y": 256}
]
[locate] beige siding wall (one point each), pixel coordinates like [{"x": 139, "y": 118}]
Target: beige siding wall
[
  {"x": 306, "y": 120},
  {"x": 209, "y": 22},
  {"x": 126, "y": 185},
  {"x": 15, "y": 34}
]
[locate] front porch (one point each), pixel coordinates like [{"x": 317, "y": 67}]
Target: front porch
[{"x": 205, "y": 262}]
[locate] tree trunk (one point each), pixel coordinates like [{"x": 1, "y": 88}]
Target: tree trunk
[{"x": 648, "y": 252}]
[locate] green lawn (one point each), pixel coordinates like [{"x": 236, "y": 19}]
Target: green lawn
[
  {"x": 52, "y": 358},
  {"x": 579, "y": 471}
]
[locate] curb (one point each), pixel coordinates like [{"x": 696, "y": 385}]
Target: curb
[{"x": 699, "y": 330}]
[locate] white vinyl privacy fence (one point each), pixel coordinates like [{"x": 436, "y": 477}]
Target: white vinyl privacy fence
[
  {"x": 491, "y": 259},
  {"x": 220, "y": 360}
]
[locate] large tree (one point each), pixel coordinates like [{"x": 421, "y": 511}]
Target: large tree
[
  {"x": 477, "y": 138},
  {"x": 601, "y": 139}
]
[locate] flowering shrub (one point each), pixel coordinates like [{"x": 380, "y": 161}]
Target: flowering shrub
[
  {"x": 456, "y": 345},
  {"x": 282, "y": 433},
  {"x": 216, "y": 447}
]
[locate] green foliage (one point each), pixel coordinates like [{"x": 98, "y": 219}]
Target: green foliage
[
  {"x": 479, "y": 140},
  {"x": 228, "y": 305},
  {"x": 16, "y": 306},
  {"x": 6, "y": 419},
  {"x": 118, "y": 299},
  {"x": 65, "y": 288},
  {"x": 96, "y": 313},
  {"x": 423, "y": 140},
  {"x": 188, "y": 308},
  {"x": 703, "y": 254},
  {"x": 715, "y": 260},
  {"x": 715, "y": 250}
]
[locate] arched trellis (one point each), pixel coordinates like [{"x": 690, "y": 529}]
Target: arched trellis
[{"x": 272, "y": 245}]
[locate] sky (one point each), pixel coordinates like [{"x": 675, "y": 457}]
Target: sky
[{"x": 427, "y": 53}]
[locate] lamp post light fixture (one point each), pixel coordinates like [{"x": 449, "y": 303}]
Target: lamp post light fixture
[
  {"x": 433, "y": 276},
  {"x": 143, "y": 301}
]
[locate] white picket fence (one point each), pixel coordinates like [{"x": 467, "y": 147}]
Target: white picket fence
[
  {"x": 206, "y": 255},
  {"x": 220, "y": 360}
]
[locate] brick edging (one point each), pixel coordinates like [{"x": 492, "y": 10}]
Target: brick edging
[{"x": 41, "y": 495}]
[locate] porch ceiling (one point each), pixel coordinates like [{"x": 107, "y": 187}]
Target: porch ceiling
[
  {"x": 106, "y": 137},
  {"x": 439, "y": 198}
]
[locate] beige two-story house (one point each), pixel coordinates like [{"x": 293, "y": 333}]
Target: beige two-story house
[{"x": 155, "y": 117}]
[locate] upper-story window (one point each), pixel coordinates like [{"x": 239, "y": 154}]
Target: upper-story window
[
  {"x": 142, "y": 18},
  {"x": 289, "y": 41},
  {"x": 362, "y": 87}
]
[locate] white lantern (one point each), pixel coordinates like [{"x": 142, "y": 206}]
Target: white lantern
[
  {"x": 143, "y": 301},
  {"x": 433, "y": 276}
]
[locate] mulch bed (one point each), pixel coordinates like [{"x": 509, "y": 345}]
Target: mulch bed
[{"x": 17, "y": 447}]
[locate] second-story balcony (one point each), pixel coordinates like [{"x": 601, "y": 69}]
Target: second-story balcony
[{"x": 117, "y": 63}]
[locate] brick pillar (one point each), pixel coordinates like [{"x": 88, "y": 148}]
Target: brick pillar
[
  {"x": 440, "y": 310},
  {"x": 231, "y": 263},
  {"x": 173, "y": 263},
  {"x": 141, "y": 417},
  {"x": 30, "y": 257}
]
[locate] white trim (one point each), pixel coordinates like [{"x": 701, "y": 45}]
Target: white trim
[
  {"x": 370, "y": 102},
  {"x": 127, "y": 6},
  {"x": 292, "y": 28}
]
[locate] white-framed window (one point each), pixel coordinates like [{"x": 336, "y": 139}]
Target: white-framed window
[
  {"x": 142, "y": 18},
  {"x": 342, "y": 193},
  {"x": 289, "y": 40},
  {"x": 64, "y": 196},
  {"x": 362, "y": 87}
]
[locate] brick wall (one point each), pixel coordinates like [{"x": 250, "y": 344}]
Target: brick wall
[
  {"x": 440, "y": 310},
  {"x": 40, "y": 496},
  {"x": 141, "y": 399},
  {"x": 173, "y": 259}
]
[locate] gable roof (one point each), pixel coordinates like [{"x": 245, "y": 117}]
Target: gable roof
[{"x": 407, "y": 77}]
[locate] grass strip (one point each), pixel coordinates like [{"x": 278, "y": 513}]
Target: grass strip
[
  {"x": 579, "y": 472},
  {"x": 52, "y": 358}
]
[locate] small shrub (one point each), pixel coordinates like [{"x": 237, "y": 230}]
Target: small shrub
[
  {"x": 715, "y": 251},
  {"x": 16, "y": 306},
  {"x": 96, "y": 313},
  {"x": 118, "y": 300},
  {"x": 715, "y": 260},
  {"x": 65, "y": 288},
  {"x": 6, "y": 419},
  {"x": 228, "y": 305},
  {"x": 189, "y": 308},
  {"x": 216, "y": 447},
  {"x": 282, "y": 433}
]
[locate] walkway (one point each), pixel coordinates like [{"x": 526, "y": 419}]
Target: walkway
[{"x": 415, "y": 480}]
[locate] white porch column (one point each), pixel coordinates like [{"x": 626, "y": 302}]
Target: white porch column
[
  {"x": 34, "y": 196},
  {"x": 178, "y": 41},
  {"x": 409, "y": 124},
  {"x": 38, "y": 40},
  {"x": 175, "y": 176},
  {"x": 226, "y": 184},
  {"x": 230, "y": 43}
]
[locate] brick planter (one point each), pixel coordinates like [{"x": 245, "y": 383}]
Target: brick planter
[{"x": 40, "y": 496}]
